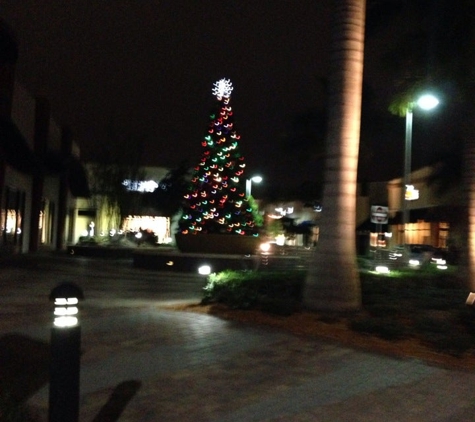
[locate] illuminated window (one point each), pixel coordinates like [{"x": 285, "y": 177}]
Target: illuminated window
[{"x": 160, "y": 226}]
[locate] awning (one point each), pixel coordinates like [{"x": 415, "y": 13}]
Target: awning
[
  {"x": 368, "y": 226},
  {"x": 15, "y": 148},
  {"x": 419, "y": 214},
  {"x": 432, "y": 214},
  {"x": 18, "y": 154}
]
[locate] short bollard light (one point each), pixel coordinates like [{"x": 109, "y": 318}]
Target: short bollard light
[
  {"x": 265, "y": 252},
  {"x": 265, "y": 247},
  {"x": 65, "y": 354},
  {"x": 66, "y": 297}
]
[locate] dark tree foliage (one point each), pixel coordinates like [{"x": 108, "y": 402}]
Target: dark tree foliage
[
  {"x": 118, "y": 159},
  {"x": 167, "y": 200}
]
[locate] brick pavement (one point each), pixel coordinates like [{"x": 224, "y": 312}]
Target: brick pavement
[
  {"x": 141, "y": 362},
  {"x": 199, "y": 368}
]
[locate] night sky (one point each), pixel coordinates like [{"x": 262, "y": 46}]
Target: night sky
[
  {"x": 148, "y": 70},
  {"x": 145, "y": 69}
]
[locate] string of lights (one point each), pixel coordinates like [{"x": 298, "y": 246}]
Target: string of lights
[{"x": 216, "y": 201}]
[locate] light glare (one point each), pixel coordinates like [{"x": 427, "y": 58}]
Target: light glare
[
  {"x": 222, "y": 88},
  {"x": 204, "y": 270},
  {"x": 265, "y": 247},
  {"x": 66, "y": 301},
  {"x": 65, "y": 321},
  {"x": 61, "y": 311},
  {"x": 427, "y": 102}
]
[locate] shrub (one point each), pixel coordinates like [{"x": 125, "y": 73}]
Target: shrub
[
  {"x": 232, "y": 288},
  {"x": 273, "y": 292}
]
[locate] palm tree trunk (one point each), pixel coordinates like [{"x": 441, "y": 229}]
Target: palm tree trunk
[{"x": 333, "y": 281}]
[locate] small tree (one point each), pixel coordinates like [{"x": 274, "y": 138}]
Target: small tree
[
  {"x": 116, "y": 163},
  {"x": 167, "y": 200}
]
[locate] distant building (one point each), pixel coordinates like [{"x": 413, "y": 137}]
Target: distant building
[
  {"x": 97, "y": 217},
  {"x": 436, "y": 218},
  {"x": 291, "y": 223}
]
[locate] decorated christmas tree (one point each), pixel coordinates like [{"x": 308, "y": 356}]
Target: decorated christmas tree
[{"x": 216, "y": 200}]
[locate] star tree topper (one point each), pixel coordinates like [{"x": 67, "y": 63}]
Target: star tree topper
[{"x": 222, "y": 88}]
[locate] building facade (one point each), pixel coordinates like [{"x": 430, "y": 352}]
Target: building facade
[
  {"x": 436, "y": 216},
  {"x": 99, "y": 219},
  {"x": 40, "y": 172}
]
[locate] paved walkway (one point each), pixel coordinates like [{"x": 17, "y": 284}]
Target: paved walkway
[
  {"x": 144, "y": 363},
  {"x": 191, "y": 367}
]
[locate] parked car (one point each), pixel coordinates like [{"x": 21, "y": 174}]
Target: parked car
[{"x": 414, "y": 255}]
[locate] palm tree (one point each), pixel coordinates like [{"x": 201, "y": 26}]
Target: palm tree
[{"x": 333, "y": 281}]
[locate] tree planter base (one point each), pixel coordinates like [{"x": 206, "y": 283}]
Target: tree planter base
[{"x": 217, "y": 244}]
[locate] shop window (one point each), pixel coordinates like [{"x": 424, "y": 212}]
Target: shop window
[{"x": 13, "y": 208}]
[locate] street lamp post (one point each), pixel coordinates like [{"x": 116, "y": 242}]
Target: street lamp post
[
  {"x": 255, "y": 179},
  {"x": 407, "y": 170},
  {"x": 426, "y": 102}
]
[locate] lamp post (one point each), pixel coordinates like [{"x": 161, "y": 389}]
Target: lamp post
[
  {"x": 255, "y": 179},
  {"x": 426, "y": 102}
]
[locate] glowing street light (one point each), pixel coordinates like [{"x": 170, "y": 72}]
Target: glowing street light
[
  {"x": 425, "y": 102},
  {"x": 255, "y": 179}
]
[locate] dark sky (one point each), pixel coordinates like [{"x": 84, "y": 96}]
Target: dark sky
[{"x": 146, "y": 68}]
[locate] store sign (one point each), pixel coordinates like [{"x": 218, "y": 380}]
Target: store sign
[
  {"x": 379, "y": 214},
  {"x": 411, "y": 193}
]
